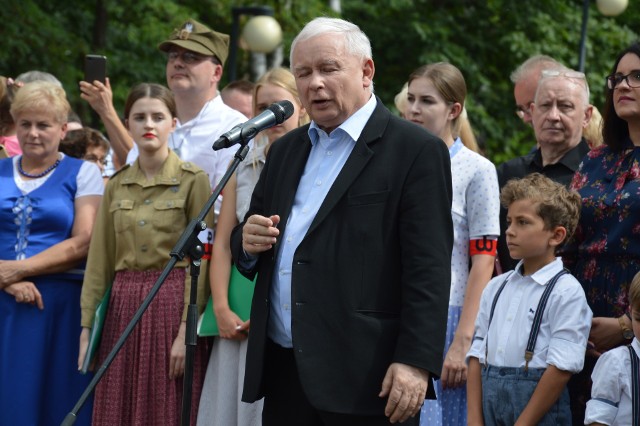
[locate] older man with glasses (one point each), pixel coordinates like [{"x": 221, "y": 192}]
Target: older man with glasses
[{"x": 560, "y": 111}]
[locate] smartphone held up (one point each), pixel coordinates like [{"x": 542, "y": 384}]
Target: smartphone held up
[{"x": 95, "y": 68}]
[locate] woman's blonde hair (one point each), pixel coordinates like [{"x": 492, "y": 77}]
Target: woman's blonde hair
[
  {"x": 593, "y": 132},
  {"x": 41, "y": 96},
  {"x": 449, "y": 82},
  {"x": 401, "y": 101},
  {"x": 280, "y": 77},
  {"x": 466, "y": 132}
]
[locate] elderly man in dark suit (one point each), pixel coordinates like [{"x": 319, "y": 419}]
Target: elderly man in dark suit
[{"x": 350, "y": 233}]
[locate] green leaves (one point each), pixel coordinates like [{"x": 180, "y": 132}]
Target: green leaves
[{"x": 485, "y": 39}]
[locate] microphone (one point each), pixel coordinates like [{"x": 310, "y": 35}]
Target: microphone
[{"x": 275, "y": 114}]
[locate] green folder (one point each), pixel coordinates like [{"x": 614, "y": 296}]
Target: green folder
[
  {"x": 96, "y": 331},
  {"x": 240, "y": 295}
]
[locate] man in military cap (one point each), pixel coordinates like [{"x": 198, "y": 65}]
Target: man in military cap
[{"x": 195, "y": 58}]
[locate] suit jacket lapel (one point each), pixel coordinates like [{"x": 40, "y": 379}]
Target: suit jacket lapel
[
  {"x": 289, "y": 178},
  {"x": 357, "y": 160}
]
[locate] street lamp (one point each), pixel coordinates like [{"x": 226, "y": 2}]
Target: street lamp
[
  {"x": 607, "y": 8},
  {"x": 262, "y": 33}
]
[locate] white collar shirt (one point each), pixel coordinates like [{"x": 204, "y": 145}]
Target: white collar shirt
[
  {"x": 611, "y": 402},
  {"x": 564, "y": 328}
]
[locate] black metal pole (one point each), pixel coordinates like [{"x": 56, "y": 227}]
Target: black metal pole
[
  {"x": 233, "y": 43},
  {"x": 190, "y": 340},
  {"x": 188, "y": 244},
  {"x": 236, "y": 11},
  {"x": 583, "y": 35}
]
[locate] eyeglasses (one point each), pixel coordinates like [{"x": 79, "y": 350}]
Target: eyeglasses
[
  {"x": 521, "y": 111},
  {"x": 563, "y": 73},
  {"x": 187, "y": 57},
  {"x": 632, "y": 79},
  {"x": 94, "y": 159}
]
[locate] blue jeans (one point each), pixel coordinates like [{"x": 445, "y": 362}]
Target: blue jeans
[{"x": 506, "y": 391}]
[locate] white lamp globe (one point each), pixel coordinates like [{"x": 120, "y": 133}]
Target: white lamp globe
[
  {"x": 262, "y": 34},
  {"x": 611, "y": 7}
]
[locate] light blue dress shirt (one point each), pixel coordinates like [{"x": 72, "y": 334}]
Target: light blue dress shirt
[{"x": 328, "y": 155}]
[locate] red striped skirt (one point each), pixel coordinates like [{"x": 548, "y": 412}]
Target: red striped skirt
[{"x": 136, "y": 389}]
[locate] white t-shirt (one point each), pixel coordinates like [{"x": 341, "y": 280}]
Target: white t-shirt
[
  {"x": 610, "y": 402},
  {"x": 564, "y": 329}
]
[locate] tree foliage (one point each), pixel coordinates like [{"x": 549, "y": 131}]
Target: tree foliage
[{"x": 486, "y": 40}]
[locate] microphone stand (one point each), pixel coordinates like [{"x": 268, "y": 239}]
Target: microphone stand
[{"x": 188, "y": 244}]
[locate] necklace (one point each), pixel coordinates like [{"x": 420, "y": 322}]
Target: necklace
[{"x": 39, "y": 175}]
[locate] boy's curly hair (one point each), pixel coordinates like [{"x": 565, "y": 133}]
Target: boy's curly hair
[{"x": 555, "y": 204}]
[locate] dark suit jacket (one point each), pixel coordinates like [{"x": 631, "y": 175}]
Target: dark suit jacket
[{"x": 371, "y": 278}]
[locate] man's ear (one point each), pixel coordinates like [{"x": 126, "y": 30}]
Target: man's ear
[
  {"x": 217, "y": 74},
  {"x": 559, "y": 234},
  {"x": 368, "y": 71},
  {"x": 588, "y": 112}
]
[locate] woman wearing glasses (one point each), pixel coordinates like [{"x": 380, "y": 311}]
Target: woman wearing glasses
[{"x": 605, "y": 252}]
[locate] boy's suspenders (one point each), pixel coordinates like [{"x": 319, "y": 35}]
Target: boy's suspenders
[
  {"x": 635, "y": 385},
  {"x": 493, "y": 308},
  {"x": 537, "y": 319}
]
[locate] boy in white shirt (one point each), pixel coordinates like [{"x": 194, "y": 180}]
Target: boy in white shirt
[
  {"x": 616, "y": 375},
  {"x": 533, "y": 323}
]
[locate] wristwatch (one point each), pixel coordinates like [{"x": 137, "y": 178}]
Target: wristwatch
[{"x": 627, "y": 333}]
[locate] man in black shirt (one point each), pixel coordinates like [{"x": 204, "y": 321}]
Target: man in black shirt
[{"x": 560, "y": 112}]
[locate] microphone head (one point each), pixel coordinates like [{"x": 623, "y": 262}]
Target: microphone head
[{"x": 282, "y": 110}]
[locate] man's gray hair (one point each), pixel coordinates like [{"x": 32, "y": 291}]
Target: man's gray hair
[
  {"x": 567, "y": 73},
  {"x": 534, "y": 63},
  {"x": 35, "y": 75},
  {"x": 356, "y": 42}
]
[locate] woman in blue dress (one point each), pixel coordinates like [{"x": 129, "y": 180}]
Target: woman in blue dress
[
  {"x": 48, "y": 203},
  {"x": 605, "y": 251}
]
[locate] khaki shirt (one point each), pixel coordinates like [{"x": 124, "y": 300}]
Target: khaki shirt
[
  {"x": 3, "y": 152},
  {"x": 139, "y": 223}
]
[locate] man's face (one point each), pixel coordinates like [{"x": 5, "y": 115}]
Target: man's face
[
  {"x": 524, "y": 91},
  {"x": 240, "y": 101},
  {"x": 191, "y": 71},
  {"x": 560, "y": 112},
  {"x": 332, "y": 83}
]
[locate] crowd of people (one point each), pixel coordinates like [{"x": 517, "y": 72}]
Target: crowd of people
[{"x": 394, "y": 274}]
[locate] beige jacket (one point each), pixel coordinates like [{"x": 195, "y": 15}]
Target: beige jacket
[{"x": 139, "y": 222}]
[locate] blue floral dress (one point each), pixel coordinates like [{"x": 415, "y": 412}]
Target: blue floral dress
[{"x": 604, "y": 255}]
